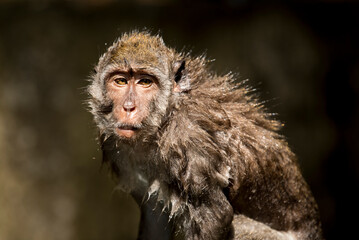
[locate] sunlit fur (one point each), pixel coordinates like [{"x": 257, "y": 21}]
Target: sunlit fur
[{"x": 208, "y": 153}]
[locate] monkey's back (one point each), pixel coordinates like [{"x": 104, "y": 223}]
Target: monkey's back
[{"x": 239, "y": 146}]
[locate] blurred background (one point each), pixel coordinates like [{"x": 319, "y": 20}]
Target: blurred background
[{"x": 302, "y": 56}]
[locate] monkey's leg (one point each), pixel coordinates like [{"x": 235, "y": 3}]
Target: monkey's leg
[{"x": 249, "y": 229}]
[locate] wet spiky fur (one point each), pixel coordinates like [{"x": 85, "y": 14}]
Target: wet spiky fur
[{"x": 210, "y": 154}]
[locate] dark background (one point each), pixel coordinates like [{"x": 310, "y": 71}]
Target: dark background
[{"x": 302, "y": 56}]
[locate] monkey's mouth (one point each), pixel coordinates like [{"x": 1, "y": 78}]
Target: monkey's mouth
[
  {"x": 127, "y": 130},
  {"x": 133, "y": 128}
]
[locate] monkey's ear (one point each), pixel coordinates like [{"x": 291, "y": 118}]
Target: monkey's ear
[{"x": 182, "y": 81}]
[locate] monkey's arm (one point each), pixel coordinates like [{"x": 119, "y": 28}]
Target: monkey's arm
[
  {"x": 206, "y": 212},
  {"x": 213, "y": 219},
  {"x": 154, "y": 224},
  {"x": 207, "y": 218},
  {"x": 209, "y": 214}
]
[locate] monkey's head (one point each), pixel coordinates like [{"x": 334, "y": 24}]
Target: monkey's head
[{"x": 134, "y": 84}]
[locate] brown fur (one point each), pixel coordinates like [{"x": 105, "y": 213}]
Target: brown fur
[{"x": 210, "y": 154}]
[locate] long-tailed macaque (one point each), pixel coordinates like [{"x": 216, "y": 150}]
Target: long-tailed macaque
[{"x": 199, "y": 154}]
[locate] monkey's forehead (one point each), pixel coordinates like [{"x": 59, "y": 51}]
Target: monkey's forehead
[
  {"x": 135, "y": 56},
  {"x": 140, "y": 55},
  {"x": 138, "y": 50},
  {"x": 128, "y": 63},
  {"x": 141, "y": 48},
  {"x": 139, "y": 59}
]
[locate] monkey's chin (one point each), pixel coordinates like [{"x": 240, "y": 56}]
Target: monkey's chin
[{"x": 126, "y": 133}]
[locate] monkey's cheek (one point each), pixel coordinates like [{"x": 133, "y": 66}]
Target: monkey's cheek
[{"x": 126, "y": 133}]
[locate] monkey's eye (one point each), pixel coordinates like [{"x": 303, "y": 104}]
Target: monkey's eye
[
  {"x": 120, "y": 81},
  {"x": 145, "y": 82}
]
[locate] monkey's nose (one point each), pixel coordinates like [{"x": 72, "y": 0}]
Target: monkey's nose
[{"x": 129, "y": 106}]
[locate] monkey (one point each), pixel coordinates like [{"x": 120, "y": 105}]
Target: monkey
[{"x": 199, "y": 153}]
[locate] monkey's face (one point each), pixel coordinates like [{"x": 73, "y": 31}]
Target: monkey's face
[
  {"x": 134, "y": 86},
  {"x": 131, "y": 93}
]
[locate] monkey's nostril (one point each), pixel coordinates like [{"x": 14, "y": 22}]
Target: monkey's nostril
[{"x": 129, "y": 107}]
